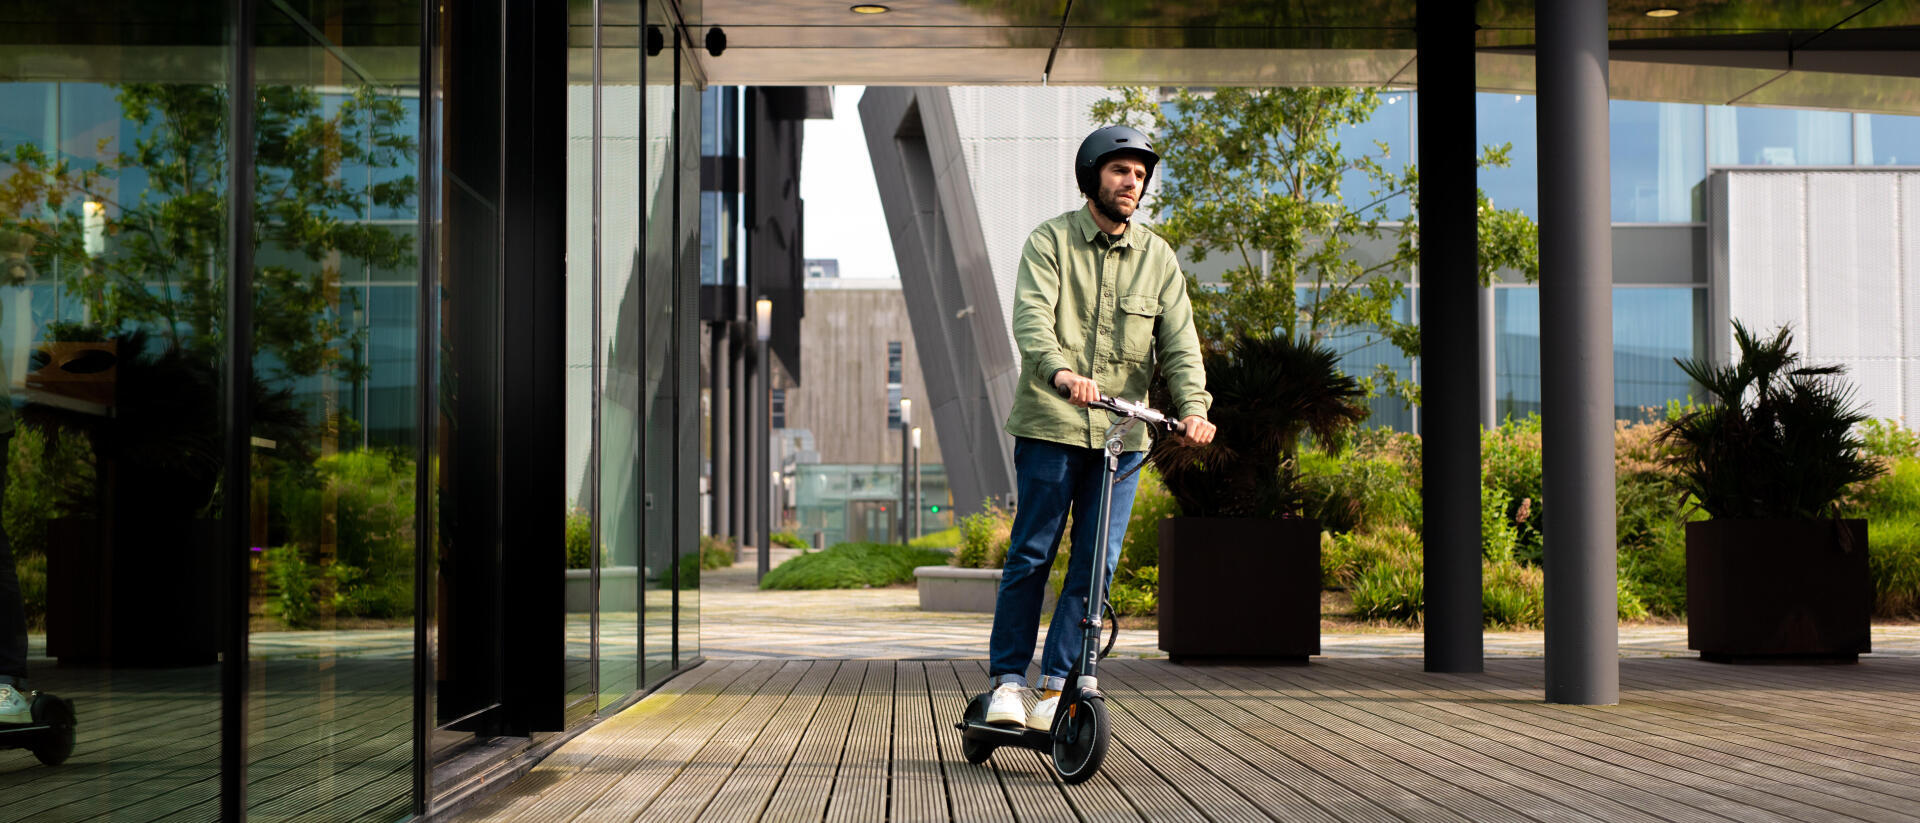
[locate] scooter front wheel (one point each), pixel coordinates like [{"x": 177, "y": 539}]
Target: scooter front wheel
[
  {"x": 56, "y": 743},
  {"x": 1080, "y": 738}
]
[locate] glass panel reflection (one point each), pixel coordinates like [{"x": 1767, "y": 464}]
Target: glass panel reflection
[
  {"x": 582, "y": 368},
  {"x": 652, "y": 326},
  {"x": 113, "y": 264},
  {"x": 1779, "y": 137},
  {"x": 621, "y": 277},
  {"x": 1651, "y": 327},
  {"x": 1657, "y": 161},
  {"x": 334, "y": 430}
]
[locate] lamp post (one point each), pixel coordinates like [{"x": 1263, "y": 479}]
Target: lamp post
[
  {"x": 763, "y": 401},
  {"x": 906, "y": 433},
  {"x": 919, "y": 505}
]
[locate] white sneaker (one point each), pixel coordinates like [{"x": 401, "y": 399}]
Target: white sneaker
[
  {"x": 1042, "y": 715},
  {"x": 14, "y": 707},
  {"x": 1006, "y": 706}
]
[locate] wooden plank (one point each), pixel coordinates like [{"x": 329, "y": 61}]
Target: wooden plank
[
  {"x": 747, "y": 789},
  {"x": 919, "y": 793},
  {"x": 1576, "y": 767},
  {"x": 859, "y": 791},
  {"x": 1273, "y": 798},
  {"x": 1832, "y": 790},
  {"x": 1653, "y": 756},
  {"x": 803, "y": 791},
  {"x": 690, "y": 791},
  {"x": 1796, "y": 712},
  {"x": 973, "y": 791},
  {"x": 1361, "y": 770},
  {"x": 643, "y": 766},
  {"x": 1521, "y": 791},
  {"x": 567, "y": 778}
]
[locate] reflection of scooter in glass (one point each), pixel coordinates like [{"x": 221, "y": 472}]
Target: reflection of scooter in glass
[
  {"x": 1078, "y": 740},
  {"x": 49, "y": 735}
]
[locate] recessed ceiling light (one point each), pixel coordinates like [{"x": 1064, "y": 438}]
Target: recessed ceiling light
[
  {"x": 869, "y": 8},
  {"x": 1663, "y": 12}
]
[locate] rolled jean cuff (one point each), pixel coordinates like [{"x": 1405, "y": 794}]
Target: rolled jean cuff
[
  {"x": 1002, "y": 679},
  {"x": 1053, "y": 684}
]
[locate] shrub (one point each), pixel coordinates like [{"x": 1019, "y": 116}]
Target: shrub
[
  {"x": 1510, "y": 462},
  {"x": 1140, "y": 548},
  {"x": 1887, "y": 438},
  {"x": 579, "y": 539},
  {"x": 984, "y": 537},
  {"x": 1780, "y": 442},
  {"x": 788, "y": 540},
  {"x": 1497, "y": 534},
  {"x": 851, "y": 566},
  {"x": 292, "y": 584},
  {"x": 1358, "y": 488},
  {"x": 1512, "y": 596},
  {"x": 32, "y": 571},
  {"x": 1394, "y": 588},
  {"x": 944, "y": 539},
  {"x": 690, "y": 567},
  {"x": 1891, "y": 505},
  {"x": 1344, "y": 557},
  {"x": 1136, "y": 593},
  {"x": 717, "y": 552},
  {"x": 368, "y": 496}
]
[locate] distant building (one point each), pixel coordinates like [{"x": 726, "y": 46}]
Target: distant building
[{"x": 822, "y": 268}]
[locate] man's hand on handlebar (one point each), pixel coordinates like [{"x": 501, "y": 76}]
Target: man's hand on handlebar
[
  {"x": 1078, "y": 390},
  {"x": 1196, "y": 431}
]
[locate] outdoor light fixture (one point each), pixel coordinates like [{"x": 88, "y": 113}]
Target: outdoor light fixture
[
  {"x": 94, "y": 223},
  {"x": 906, "y": 411},
  {"x": 763, "y": 319},
  {"x": 869, "y": 8},
  {"x": 916, "y": 438},
  {"x": 1663, "y": 12}
]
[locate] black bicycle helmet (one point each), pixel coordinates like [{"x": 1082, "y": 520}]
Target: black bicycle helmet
[{"x": 1105, "y": 142}]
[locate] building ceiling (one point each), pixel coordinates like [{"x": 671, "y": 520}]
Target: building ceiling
[{"x": 1859, "y": 55}]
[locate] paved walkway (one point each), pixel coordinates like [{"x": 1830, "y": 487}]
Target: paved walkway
[{"x": 738, "y": 621}]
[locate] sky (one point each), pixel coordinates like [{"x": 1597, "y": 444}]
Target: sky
[{"x": 843, "y": 219}]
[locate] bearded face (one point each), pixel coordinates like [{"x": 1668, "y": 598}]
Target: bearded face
[{"x": 1121, "y": 181}]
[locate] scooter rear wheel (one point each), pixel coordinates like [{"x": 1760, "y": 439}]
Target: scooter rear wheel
[
  {"x": 55, "y": 744},
  {"x": 1080, "y": 739}
]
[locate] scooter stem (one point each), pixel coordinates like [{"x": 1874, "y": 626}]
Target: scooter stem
[{"x": 1085, "y": 673}]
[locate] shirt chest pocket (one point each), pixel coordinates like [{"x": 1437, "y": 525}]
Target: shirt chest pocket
[{"x": 1138, "y": 314}]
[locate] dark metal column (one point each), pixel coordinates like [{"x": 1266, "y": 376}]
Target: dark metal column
[
  {"x": 720, "y": 454},
  {"x": 236, "y": 491},
  {"x": 737, "y": 419},
  {"x": 1576, "y": 353},
  {"x": 759, "y": 469},
  {"x": 1449, "y": 331}
]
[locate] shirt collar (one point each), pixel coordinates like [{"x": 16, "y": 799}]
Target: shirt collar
[{"x": 1083, "y": 218}]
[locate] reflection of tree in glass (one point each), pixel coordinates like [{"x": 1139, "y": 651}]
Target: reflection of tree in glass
[
  {"x": 1256, "y": 175},
  {"x": 165, "y": 270}
]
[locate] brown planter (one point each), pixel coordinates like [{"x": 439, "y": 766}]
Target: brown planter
[
  {"x": 1238, "y": 588},
  {"x": 1778, "y": 590}
]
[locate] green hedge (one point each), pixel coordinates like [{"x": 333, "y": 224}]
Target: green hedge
[{"x": 852, "y": 566}]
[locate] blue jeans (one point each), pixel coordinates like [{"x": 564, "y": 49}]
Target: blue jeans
[{"x": 1053, "y": 479}]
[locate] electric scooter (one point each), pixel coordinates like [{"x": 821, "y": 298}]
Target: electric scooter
[
  {"x": 1078, "y": 740},
  {"x": 49, "y": 735}
]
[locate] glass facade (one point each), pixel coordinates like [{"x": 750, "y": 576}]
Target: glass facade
[
  {"x": 848, "y": 502},
  {"x": 268, "y": 432}
]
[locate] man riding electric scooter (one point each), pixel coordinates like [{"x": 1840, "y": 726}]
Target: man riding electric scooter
[{"x": 1099, "y": 303}]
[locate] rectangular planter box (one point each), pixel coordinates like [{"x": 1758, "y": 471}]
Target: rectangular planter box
[
  {"x": 619, "y": 589},
  {"x": 1239, "y": 588},
  {"x": 950, "y": 589},
  {"x": 1760, "y": 590}
]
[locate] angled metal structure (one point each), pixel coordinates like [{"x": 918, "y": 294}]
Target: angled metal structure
[{"x": 957, "y": 307}]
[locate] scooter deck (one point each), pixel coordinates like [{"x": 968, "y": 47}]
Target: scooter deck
[{"x": 982, "y": 732}]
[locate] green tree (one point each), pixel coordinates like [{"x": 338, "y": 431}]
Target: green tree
[{"x": 1258, "y": 175}]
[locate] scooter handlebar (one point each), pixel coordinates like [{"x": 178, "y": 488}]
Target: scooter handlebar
[{"x": 1139, "y": 411}]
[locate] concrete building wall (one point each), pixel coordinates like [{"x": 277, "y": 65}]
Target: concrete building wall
[{"x": 843, "y": 399}]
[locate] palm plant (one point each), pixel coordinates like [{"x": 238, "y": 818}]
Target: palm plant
[
  {"x": 1778, "y": 443},
  {"x": 1267, "y": 394}
]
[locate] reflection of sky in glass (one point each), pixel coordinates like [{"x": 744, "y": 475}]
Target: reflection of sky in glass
[
  {"x": 1657, "y": 161},
  {"x": 1362, "y": 349},
  {"x": 1651, "y": 327},
  {"x": 1779, "y": 137},
  {"x": 1509, "y": 118},
  {"x": 1886, "y": 140},
  {"x": 1390, "y": 124}
]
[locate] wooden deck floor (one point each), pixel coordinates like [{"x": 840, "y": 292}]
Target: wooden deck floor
[{"x": 1351, "y": 739}]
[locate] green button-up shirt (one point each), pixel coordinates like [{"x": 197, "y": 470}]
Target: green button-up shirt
[{"x": 1107, "y": 308}]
